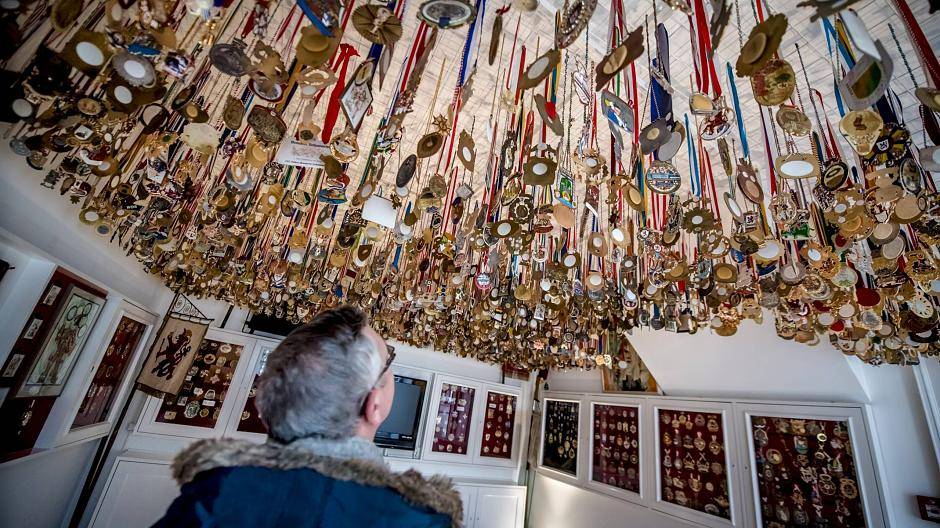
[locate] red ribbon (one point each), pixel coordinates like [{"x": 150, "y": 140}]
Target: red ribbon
[
  {"x": 346, "y": 52},
  {"x": 920, "y": 42}
]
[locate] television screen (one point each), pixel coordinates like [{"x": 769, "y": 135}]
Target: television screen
[{"x": 400, "y": 429}]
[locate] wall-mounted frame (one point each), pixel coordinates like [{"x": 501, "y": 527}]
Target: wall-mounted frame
[
  {"x": 695, "y": 479},
  {"x": 93, "y": 399},
  {"x": 616, "y": 447},
  {"x": 560, "y": 438},
  {"x": 453, "y": 413},
  {"x": 835, "y": 441},
  {"x": 499, "y": 417},
  {"x": 245, "y": 422},
  {"x": 154, "y": 418}
]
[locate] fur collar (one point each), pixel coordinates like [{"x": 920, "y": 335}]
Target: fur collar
[{"x": 436, "y": 493}]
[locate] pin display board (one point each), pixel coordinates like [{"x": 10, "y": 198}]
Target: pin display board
[
  {"x": 615, "y": 457},
  {"x": 454, "y": 414},
  {"x": 806, "y": 473},
  {"x": 560, "y": 436},
  {"x": 199, "y": 402},
  {"x": 692, "y": 461}
]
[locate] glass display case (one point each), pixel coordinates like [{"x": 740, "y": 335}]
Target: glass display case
[
  {"x": 499, "y": 421},
  {"x": 454, "y": 415},
  {"x": 199, "y": 402},
  {"x": 615, "y": 453},
  {"x": 806, "y": 472},
  {"x": 560, "y": 436},
  {"x": 692, "y": 461}
]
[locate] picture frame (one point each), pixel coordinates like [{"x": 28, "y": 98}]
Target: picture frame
[
  {"x": 627, "y": 371},
  {"x": 61, "y": 426},
  {"x": 572, "y": 406},
  {"x": 172, "y": 353},
  {"x": 73, "y": 323}
]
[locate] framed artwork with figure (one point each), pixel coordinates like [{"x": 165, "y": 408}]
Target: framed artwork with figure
[
  {"x": 64, "y": 341},
  {"x": 172, "y": 354}
]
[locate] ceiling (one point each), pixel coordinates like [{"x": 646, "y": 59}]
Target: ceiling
[{"x": 536, "y": 30}]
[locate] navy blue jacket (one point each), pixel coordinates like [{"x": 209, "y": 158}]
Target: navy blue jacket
[{"x": 233, "y": 483}]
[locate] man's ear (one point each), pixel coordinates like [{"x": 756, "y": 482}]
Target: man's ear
[{"x": 372, "y": 407}]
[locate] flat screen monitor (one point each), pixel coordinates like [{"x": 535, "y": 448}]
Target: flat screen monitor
[{"x": 400, "y": 429}]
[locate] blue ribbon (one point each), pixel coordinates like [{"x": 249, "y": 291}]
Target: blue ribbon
[
  {"x": 693, "y": 159},
  {"x": 481, "y": 12},
  {"x": 304, "y": 6},
  {"x": 737, "y": 112}
]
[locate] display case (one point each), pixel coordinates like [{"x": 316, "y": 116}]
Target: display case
[
  {"x": 207, "y": 398},
  {"x": 92, "y": 401},
  {"x": 500, "y": 427},
  {"x": 561, "y": 433},
  {"x": 248, "y": 420},
  {"x": 694, "y": 461},
  {"x": 616, "y": 451},
  {"x": 498, "y": 435},
  {"x": 452, "y": 409},
  {"x": 809, "y": 465}
]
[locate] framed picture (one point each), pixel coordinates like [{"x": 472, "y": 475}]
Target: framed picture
[
  {"x": 172, "y": 354},
  {"x": 627, "y": 372},
  {"x": 65, "y": 339},
  {"x": 33, "y": 328},
  {"x": 809, "y": 464},
  {"x": 561, "y": 428},
  {"x": 119, "y": 354},
  {"x": 694, "y": 442}
]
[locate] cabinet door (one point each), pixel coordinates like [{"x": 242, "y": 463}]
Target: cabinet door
[
  {"x": 500, "y": 507},
  {"x": 468, "y": 494},
  {"x": 137, "y": 494}
]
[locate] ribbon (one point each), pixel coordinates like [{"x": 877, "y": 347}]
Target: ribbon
[
  {"x": 926, "y": 56},
  {"x": 737, "y": 112},
  {"x": 346, "y": 52},
  {"x": 709, "y": 76},
  {"x": 693, "y": 159},
  {"x": 307, "y": 8}
]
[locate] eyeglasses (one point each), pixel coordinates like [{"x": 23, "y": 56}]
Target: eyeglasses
[{"x": 388, "y": 363}]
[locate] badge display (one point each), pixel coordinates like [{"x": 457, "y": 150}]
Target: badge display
[
  {"x": 452, "y": 424},
  {"x": 806, "y": 473},
  {"x": 249, "y": 420},
  {"x": 498, "y": 425},
  {"x": 560, "y": 437},
  {"x": 693, "y": 471},
  {"x": 615, "y": 457},
  {"x": 205, "y": 387},
  {"x": 100, "y": 396}
]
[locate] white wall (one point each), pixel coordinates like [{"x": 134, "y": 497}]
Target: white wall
[
  {"x": 48, "y": 224},
  {"x": 38, "y": 230},
  {"x": 754, "y": 363},
  {"x": 908, "y": 465},
  {"x": 556, "y": 504},
  {"x": 38, "y": 491}
]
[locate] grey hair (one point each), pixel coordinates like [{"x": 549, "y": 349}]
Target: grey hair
[{"x": 314, "y": 381}]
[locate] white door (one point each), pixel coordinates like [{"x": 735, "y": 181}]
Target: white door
[
  {"x": 137, "y": 494},
  {"x": 468, "y": 494},
  {"x": 500, "y": 508}
]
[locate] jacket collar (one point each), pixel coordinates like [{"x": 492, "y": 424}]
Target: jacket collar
[
  {"x": 436, "y": 493},
  {"x": 353, "y": 447}
]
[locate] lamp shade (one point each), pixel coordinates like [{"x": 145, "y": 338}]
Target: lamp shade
[{"x": 379, "y": 210}]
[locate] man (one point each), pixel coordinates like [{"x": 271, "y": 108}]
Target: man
[{"x": 324, "y": 391}]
